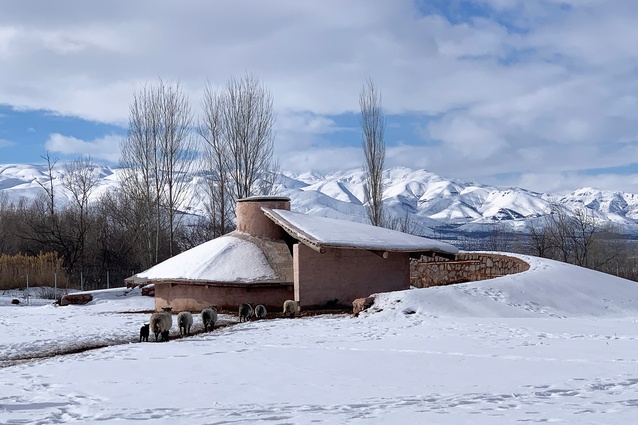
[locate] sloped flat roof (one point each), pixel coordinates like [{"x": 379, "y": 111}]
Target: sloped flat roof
[{"x": 321, "y": 232}]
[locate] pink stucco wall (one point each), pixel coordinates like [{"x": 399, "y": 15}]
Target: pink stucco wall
[
  {"x": 252, "y": 220},
  {"x": 228, "y": 297},
  {"x": 346, "y": 274}
]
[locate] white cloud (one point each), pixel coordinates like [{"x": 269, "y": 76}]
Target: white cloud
[
  {"x": 322, "y": 159},
  {"x": 6, "y": 143},
  {"x": 467, "y": 137},
  {"x": 105, "y": 148},
  {"x": 306, "y": 122},
  {"x": 534, "y": 88},
  {"x": 565, "y": 182}
]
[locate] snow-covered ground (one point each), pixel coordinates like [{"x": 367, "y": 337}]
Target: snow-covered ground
[{"x": 555, "y": 344}]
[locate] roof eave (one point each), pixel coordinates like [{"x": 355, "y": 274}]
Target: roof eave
[
  {"x": 294, "y": 231},
  {"x": 311, "y": 242},
  {"x": 235, "y": 284}
]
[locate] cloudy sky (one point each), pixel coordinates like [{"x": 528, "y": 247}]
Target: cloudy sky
[{"x": 540, "y": 94}]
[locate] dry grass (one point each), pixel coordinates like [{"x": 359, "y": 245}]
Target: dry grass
[{"x": 41, "y": 269}]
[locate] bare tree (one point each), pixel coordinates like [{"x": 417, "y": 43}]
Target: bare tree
[
  {"x": 196, "y": 233},
  {"x": 217, "y": 160},
  {"x": 558, "y": 225},
  {"x": 138, "y": 159},
  {"x": 499, "y": 238},
  {"x": 119, "y": 236},
  {"x": 403, "y": 223},
  {"x": 177, "y": 151},
  {"x": 248, "y": 119},
  {"x": 373, "y": 126},
  {"x": 41, "y": 232},
  {"x": 80, "y": 180},
  {"x": 237, "y": 127},
  {"x": 156, "y": 156},
  {"x": 539, "y": 239},
  {"x": 584, "y": 232},
  {"x": 610, "y": 251},
  {"x": 577, "y": 237},
  {"x": 45, "y": 226},
  {"x": 571, "y": 234},
  {"x": 48, "y": 186},
  {"x": 6, "y": 216}
]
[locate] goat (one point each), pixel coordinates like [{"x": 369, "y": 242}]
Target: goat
[{"x": 144, "y": 331}]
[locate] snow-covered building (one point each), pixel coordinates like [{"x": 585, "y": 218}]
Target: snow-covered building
[{"x": 276, "y": 254}]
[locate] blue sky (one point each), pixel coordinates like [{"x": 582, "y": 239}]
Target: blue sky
[
  {"x": 540, "y": 94},
  {"x": 27, "y": 135}
]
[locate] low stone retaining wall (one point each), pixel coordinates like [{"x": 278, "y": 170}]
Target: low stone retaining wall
[{"x": 467, "y": 267}]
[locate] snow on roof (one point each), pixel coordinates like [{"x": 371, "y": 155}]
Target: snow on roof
[
  {"x": 224, "y": 259},
  {"x": 264, "y": 198},
  {"x": 319, "y": 232}
]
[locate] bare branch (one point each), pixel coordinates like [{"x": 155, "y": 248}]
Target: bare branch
[{"x": 237, "y": 127}]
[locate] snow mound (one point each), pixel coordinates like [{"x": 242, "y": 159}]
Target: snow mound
[
  {"x": 224, "y": 259},
  {"x": 118, "y": 299},
  {"x": 548, "y": 289}
]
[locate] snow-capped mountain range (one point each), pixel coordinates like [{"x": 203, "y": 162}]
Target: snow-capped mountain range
[{"x": 428, "y": 202}]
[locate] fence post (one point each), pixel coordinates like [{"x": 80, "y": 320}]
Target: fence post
[
  {"x": 55, "y": 284},
  {"x": 81, "y": 281},
  {"x": 107, "y": 280},
  {"x": 27, "y": 288}
]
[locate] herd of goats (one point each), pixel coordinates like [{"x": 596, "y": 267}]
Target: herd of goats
[{"x": 162, "y": 322}]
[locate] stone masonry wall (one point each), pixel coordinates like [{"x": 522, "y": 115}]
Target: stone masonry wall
[{"x": 467, "y": 267}]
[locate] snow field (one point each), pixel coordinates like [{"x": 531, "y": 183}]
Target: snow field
[{"x": 555, "y": 344}]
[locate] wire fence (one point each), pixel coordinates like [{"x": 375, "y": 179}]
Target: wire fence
[{"x": 85, "y": 280}]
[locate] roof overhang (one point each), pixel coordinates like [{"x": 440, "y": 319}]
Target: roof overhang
[
  {"x": 300, "y": 234},
  {"x": 294, "y": 231},
  {"x": 246, "y": 285},
  {"x": 446, "y": 255}
]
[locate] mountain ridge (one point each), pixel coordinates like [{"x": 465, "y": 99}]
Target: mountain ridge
[{"x": 427, "y": 200}]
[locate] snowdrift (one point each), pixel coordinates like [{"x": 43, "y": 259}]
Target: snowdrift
[{"x": 548, "y": 289}]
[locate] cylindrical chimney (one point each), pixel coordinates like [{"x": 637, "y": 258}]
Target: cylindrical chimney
[{"x": 252, "y": 220}]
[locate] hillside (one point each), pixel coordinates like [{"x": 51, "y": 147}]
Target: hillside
[{"x": 431, "y": 202}]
